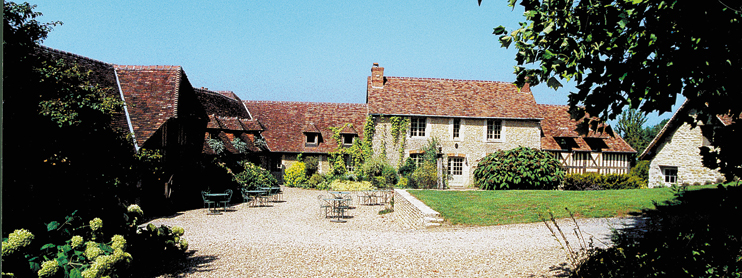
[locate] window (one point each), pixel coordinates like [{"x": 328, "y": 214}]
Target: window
[
  {"x": 456, "y": 127},
  {"x": 417, "y": 158},
  {"x": 348, "y": 139},
  {"x": 417, "y": 127},
  {"x": 494, "y": 129},
  {"x": 312, "y": 138},
  {"x": 671, "y": 174},
  {"x": 455, "y": 166},
  {"x": 348, "y": 163}
]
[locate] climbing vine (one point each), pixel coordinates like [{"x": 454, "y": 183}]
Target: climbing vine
[{"x": 399, "y": 127}]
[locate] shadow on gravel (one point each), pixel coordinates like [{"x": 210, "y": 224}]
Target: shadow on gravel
[{"x": 189, "y": 265}]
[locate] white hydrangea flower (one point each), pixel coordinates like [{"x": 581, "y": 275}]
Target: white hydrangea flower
[
  {"x": 48, "y": 268},
  {"x": 96, "y": 224}
]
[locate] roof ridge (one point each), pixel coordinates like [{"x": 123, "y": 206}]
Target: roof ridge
[
  {"x": 447, "y": 79},
  {"x": 150, "y": 67},
  {"x": 46, "y": 48},
  {"x": 307, "y": 102}
]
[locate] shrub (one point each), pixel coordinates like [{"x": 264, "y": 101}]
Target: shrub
[
  {"x": 76, "y": 248},
  {"x": 519, "y": 168},
  {"x": 641, "y": 170},
  {"x": 595, "y": 181},
  {"x": 311, "y": 164},
  {"x": 316, "y": 180},
  {"x": 589, "y": 181},
  {"x": 677, "y": 240},
  {"x": 402, "y": 183},
  {"x": 253, "y": 176},
  {"x": 339, "y": 185},
  {"x": 425, "y": 176},
  {"x": 408, "y": 167},
  {"x": 295, "y": 175}
]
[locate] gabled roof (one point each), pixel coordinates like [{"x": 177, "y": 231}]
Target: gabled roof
[
  {"x": 559, "y": 134},
  {"x": 152, "y": 94},
  {"x": 450, "y": 98},
  {"x": 226, "y": 111},
  {"x": 285, "y": 122},
  {"x": 673, "y": 123}
]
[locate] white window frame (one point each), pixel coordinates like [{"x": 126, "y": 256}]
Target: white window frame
[
  {"x": 417, "y": 158},
  {"x": 667, "y": 175},
  {"x": 455, "y": 166},
  {"x": 352, "y": 139},
  {"x": 486, "y": 131},
  {"x": 414, "y": 130}
]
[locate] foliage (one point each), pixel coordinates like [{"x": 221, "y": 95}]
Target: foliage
[
  {"x": 595, "y": 181},
  {"x": 316, "y": 180},
  {"x": 216, "y": 145},
  {"x": 75, "y": 248},
  {"x": 402, "y": 183},
  {"x": 379, "y": 171},
  {"x": 253, "y": 176},
  {"x": 678, "y": 240},
  {"x": 398, "y": 130},
  {"x": 626, "y": 54},
  {"x": 369, "y": 129},
  {"x": 425, "y": 176},
  {"x": 578, "y": 252},
  {"x": 519, "y": 168},
  {"x": 340, "y": 185},
  {"x": 295, "y": 175},
  {"x": 240, "y": 145},
  {"x": 407, "y": 168},
  {"x": 630, "y": 126},
  {"x": 311, "y": 164},
  {"x": 641, "y": 170}
]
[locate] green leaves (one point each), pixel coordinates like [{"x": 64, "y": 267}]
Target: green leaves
[{"x": 519, "y": 168}]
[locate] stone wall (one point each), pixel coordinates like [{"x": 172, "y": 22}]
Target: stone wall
[
  {"x": 681, "y": 150},
  {"x": 411, "y": 213},
  {"x": 471, "y": 143}
]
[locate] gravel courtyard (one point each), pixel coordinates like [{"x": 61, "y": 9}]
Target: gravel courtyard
[{"x": 290, "y": 239}]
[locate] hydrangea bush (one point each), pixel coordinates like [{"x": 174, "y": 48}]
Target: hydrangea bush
[{"x": 86, "y": 253}]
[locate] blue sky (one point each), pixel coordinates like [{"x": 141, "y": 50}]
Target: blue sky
[{"x": 295, "y": 50}]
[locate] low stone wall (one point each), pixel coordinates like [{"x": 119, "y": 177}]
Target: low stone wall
[{"x": 412, "y": 213}]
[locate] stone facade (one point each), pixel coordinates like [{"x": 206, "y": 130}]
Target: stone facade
[
  {"x": 679, "y": 150},
  {"x": 471, "y": 145}
]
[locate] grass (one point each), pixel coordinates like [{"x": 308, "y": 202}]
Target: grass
[{"x": 485, "y": 208}]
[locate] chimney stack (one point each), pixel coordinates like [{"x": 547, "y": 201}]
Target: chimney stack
[{"x": 377, "y": 76}]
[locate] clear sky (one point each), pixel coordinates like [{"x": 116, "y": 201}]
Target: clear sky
[{"x": 295, "y": 50}]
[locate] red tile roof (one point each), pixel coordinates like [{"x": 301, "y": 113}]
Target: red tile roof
[
  {"x": 558, "y": 127},
  {"x": 450, "y": 98},
  {"x": 226, "y": 111},
  {"x": 151, "y": 94},
  {"x": 284, "y": 123}
]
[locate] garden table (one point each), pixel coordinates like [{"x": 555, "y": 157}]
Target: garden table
[
  {"x": 216, "y": 197},
  {"x": 339, "y": 205},
  {"x": 259, "y": 194}
]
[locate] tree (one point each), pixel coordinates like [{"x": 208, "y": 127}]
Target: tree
[
  {"x": 639, "y": 54},
  {"x": 630, "y": 126}
]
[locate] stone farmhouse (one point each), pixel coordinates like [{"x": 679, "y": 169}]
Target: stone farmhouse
[
  {"x": 675, "y": 155},
  {"x": 469, "y": 118}
]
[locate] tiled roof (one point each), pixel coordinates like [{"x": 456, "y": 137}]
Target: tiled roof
[
  {"x": 226, "y": 111},
  {"x": 559, "y": 134},
  {"x": 450, "y": 98},
  {"x": 284, "y": 122},
  {"x": 151, "y": 93}
]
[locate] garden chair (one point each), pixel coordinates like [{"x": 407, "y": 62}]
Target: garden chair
[
  {"x": 227, "y": 200},
  {"x": 207, "y": 202},
  {"x": 245, "y": 197},
  {"x": 324, "y": 205}
]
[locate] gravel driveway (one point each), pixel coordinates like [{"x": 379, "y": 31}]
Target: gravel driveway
[{"x": 289, "y": 239}]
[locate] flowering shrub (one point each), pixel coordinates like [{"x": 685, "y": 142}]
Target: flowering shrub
[
  {"x": 340, "y": 185},
  {"x": 85, "y": 253},
  {"x": 295, "y": 175}
]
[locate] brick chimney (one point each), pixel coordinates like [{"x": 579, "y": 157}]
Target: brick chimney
[{"x": 377, "y": 76}]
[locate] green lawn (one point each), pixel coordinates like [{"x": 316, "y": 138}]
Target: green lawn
[{"x": 484, "y": 208}]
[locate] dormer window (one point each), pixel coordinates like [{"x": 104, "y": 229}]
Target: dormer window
[
  {"x": 348, "y": 139},
  {"x": 312, "y": 138}
]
